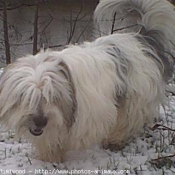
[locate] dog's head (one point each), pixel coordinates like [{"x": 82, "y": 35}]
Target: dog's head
[{"x": 37, "y": 94}]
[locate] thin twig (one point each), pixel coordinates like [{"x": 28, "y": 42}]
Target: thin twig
[
  {"x": 157, "y": 126},
  {"x": 125, "y": 27},
  {"x": 113, "y": 23},
  {"x": 163, "y": 157}
]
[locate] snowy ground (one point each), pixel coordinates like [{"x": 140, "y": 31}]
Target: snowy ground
[{"x": 152, "y": 154}]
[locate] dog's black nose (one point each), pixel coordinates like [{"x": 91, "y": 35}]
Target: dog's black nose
[{"x": 40, "y": 121}]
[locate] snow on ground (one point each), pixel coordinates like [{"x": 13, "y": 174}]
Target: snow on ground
[{"x": 151, "y": 154}]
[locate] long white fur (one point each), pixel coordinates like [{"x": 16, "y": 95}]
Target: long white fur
[
  {"x": 155, "y": 15},
  {"x": 115, "y": 82}
]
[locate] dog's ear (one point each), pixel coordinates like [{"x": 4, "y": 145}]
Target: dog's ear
[{"x": 68, "y": 109}]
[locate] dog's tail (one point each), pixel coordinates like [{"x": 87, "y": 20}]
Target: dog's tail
[{"x": 153, "y": 20}]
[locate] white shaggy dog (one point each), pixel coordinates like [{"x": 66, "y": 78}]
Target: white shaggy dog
[{"x": 101, "y": 92}]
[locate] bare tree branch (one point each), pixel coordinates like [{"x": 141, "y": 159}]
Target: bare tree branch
[
  {"x": 73, "y": 26},
  {"x": 35, "y": 33},
  {"x": 113, "y": 23},
  {"x": 126, "y": 27},
  {"x": 16, "y": 7},
  {"x": 6, "y": 35}
]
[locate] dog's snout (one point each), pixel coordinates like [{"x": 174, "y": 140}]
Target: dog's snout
[{"x": 40, "y": 122}]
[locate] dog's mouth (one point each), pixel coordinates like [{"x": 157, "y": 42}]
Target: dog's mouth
[{"x": 36, "y": 131}]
